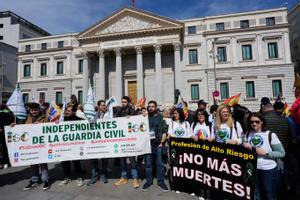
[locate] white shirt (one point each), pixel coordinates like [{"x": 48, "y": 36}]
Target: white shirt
[
  {"x": 261, "y": 140},
  {"x": 202, "y": 131},
  {"x": 180, "y": 130},
  {"x": 222, "y": 135}
]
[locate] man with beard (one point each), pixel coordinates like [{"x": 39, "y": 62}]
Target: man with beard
[
  {"x": 158, "y": 138},
  {"x": 127, "y": 110}
]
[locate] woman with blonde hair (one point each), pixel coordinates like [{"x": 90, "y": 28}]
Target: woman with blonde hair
[{"x": 225, "y": 129}]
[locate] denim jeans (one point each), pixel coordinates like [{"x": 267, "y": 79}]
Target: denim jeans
[
  {"x": 157, "y": 153},
  {"x": 36, "y": 172},
  {"x": 133, "y": 164},
  {"x": 266, "y": 184},
  {"x": 67, "y": 168},
  {"x": 95, "y": 168}
]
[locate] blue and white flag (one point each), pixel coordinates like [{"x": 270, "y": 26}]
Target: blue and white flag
[
  {"x": 110, "y": 103},
  {"x": 16, "y": 105},
  {"x": 89, "y": 106}
]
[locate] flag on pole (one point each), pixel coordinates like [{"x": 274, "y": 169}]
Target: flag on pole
[
  {"x": 54, "y": 112},
  {"x": 110, "y": 103},
  {"x": 181, "y": 104},
  {"x": 89, "y": 106},
  {"x": 16, "y": 105},
  {"x": 233, "y": 100}
]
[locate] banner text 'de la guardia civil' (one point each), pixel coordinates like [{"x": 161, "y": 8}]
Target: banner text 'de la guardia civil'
[
  {"x": 74, "y": 140},
  {"x": 223, "y": 170}
]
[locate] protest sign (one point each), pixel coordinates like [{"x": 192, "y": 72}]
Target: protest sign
[
  {"x": 227, "y": 170},
  {"x": 74, "y": 140}
]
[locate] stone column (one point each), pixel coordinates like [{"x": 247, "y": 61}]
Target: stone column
[
  {"x": 20, "y": 70},
  {"x": 85, "y": 76},
  {"x": 177, "y": 66},
  {"x": 235, "y": 57},
  {"x": 287, "y": 49},
  {"x": 260, "y": 52},
  {"x": 119, "y": 79},
  {"x": 139, "y": 72},
  {"x": 101, "y": 74},
  {"x": 158, "y": 74}
]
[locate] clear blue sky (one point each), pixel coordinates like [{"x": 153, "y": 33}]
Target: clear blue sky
[{"x": 63, "y": 16}]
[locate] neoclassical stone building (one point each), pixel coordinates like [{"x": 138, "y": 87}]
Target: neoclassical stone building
[{"x": 137, "y": 53}]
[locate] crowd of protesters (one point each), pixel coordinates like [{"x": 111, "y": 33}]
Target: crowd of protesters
[{"x": 277, "y": 142}]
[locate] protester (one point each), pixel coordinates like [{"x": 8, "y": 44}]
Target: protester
[
  {"x": 293, "y": 156},
  {"x": 73, "y": 101},
  {"x": 70, "y": 115},
  {"x": 202, "y": 104},
  {"x": 35, "y": 116},
  {"x": 277, "y": 124},
  {"x": 225, "y": 129},
  {"x": 279, "y": 107},
  {"x": 268, "y": 148},
  {"x": 80, "y": 113},
  {"x": 213, "y": 113},
  {"x": 127, "y": 110},
  {"x": 201, "y": 128},
  {"x": 158, "y": 138},
  {"x": 6, "y": 118},
  {"x": 241, "y": 115},
  {"x": 264, "y": 101},
  {"x": 102, "y": 173},
  {"x": 178, "y": 127}
]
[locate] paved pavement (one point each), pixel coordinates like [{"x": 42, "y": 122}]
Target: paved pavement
[{"x": 13, "y": 180}]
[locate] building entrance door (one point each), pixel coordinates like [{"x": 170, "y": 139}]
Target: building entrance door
[{"x": 132, "y": 90}]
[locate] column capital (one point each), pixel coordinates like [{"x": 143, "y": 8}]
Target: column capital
[
  {"x": 84, "y": 54},
  {"x": 176, "y": 46},
  {"x": 101, "y": 53},
  {"x": 138, "y": 49},
  {"x": 118, "y": 51},
  {"x": 157, "y": 48}
]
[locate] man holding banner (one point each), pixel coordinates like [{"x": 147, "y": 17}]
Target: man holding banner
[
  {"x": 101, "y": 106},
  {"x": 158, "y": 138},
  {"x": 70, "y": 115},
  {"x": 35, "y": 116},
  {"x": 127, "y": 110}
]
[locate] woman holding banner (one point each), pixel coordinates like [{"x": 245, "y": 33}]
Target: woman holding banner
[
  {"x": 201, "y": 128},
  {"x": 268, "y": 148},
  {"x": 225, "y": 129},
  {"x": 178, "y": 127}
]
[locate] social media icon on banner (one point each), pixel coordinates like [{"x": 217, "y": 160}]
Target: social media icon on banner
[
  {"x": 50, "y": 151},
  {"x": 50, "y": 156},
  {"x": 16, "y": 160},
  {"x": 16, "y": 154}
]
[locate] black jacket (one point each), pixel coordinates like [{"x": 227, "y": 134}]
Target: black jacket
[
  {"x": 158, "y": 125},
  {"x": 279, "y": 125},
  {"x": 72, "y": 118}
]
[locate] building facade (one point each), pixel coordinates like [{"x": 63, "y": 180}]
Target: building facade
[
  {"x": 12, "y": 28},
  {"x": 140, "y": 54}
]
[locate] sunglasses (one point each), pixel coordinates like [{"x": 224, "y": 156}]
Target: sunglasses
[{"x": 255, "y": 122}]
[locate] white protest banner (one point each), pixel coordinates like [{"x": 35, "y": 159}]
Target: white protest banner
[{"x": 74, "y": 140}]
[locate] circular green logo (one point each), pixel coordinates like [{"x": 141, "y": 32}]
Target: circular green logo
[{"x": 116, "y": 145}]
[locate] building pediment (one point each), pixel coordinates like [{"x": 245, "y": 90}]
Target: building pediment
[{"x": 129, "y": 21}]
